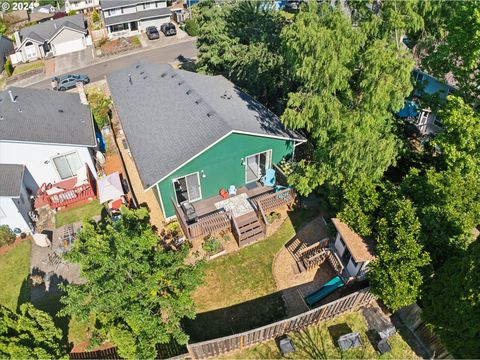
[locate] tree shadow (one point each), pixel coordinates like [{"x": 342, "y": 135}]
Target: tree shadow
[{"x": 338, "y": 330}]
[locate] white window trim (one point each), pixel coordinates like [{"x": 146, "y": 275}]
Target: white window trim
[
  {"x": 269, "y": 165},
  {"x": 60, "y": 155},
  {"x": 188, "y": 194}
]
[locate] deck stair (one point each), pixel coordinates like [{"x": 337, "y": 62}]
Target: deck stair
[
  {"x": 313, "y": 255},
  {"x": 295, "y": 247},
  {"x": 249, "y": 228}
]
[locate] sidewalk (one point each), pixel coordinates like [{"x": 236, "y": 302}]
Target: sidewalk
[{"x": 61, "y": 66}]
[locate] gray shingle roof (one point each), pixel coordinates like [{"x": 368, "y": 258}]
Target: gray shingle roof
[
  {"x": 45, "y": 116},
  {"x": 145, "y": 14},
  {"x": 109, "y": 4},
  {"x": 169, "y": 115},
  {"x": 11, "y": 176},
  {"x": 45, "y": 30}
]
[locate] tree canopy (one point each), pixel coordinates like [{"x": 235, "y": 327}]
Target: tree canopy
[
  {"x": 395, "y": 276},
  {"x": 350, "y": 83},
  {"x": 136, "y": 291},
  {"x": 452, "y": 303},
  {"x": 29, "y": 333}
]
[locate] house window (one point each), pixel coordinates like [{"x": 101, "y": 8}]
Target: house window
[
  {"x": 2, "y": 214},
  {"x": 256, "y": 165},
  {"x": 113, "y": 12},
  {"x": 30, "y": 50},
  {"x": 148, "y": 5},
  {"x": 187, "y": 188},
  {"x": 67, "y": 165},
  {"x": 119, "y": 27}
]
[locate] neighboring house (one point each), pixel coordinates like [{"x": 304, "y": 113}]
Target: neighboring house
[
  {"x": 6, "y": 48},
  {"x": 56, "y": 37},
  {"x": 45, "y": 9},
  {"x": 15, "y": 199},
  {"x": 190, "y": 135},
  {"x": 425, "y": 119},
  {"x": 50, "y": 133},
  {"x": 131, "y": 17},
  {"x": 81, "y": 5},
  {"x": 354, "y": 251}
]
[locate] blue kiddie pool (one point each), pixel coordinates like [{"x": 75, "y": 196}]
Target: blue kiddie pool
[{"x": 328, "y": 288}]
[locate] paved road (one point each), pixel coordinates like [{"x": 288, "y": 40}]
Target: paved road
[{"x": 166, "y": 54}]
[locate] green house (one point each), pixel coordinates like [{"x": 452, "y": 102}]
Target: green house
[{"x": 194, "y": 136}]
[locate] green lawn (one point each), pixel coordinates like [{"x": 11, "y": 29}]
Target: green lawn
[
  {"x": 23, "y": 68},
  {"x": 239, "y": 291},
  {"x": 319, "y": 342},
  {"x": 78, "y": 213},
  {"x": 14, "y": 270}
]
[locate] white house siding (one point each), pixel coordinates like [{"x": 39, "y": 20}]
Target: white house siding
[
  {"x": 68, "y": 41},
  {"x": 81, "y": 5},
  {"x": 352, "y": 269},
  {"x": 38, "y": 158},
  {"x": 23, "y": 52},
  {"x": 11, "y": 215},
  {"x": 157, "y": 22},
  {"x": 339, "y": 247}
]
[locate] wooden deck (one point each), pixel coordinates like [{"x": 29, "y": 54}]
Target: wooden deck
[{"x": 207, "y": 206}]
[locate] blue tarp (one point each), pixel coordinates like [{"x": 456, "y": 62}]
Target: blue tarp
[
  {"x": 328, "y": 288},
  {"x": 100, "y": 141},
  {"x": 410, "y": 110}
]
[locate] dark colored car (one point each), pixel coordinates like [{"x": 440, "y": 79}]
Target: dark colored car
[
  {"x": 65, "y": 82},
  {"x": 152, "y": 33},
  {"x": 168, "y": 29}
]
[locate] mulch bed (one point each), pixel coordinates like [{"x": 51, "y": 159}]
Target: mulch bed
[{"x": 118, "y": 45}]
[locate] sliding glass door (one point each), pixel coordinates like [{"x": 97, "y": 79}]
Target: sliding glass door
[
  {"x": 256, "y": 165},
  {"x": 187, "y": 188}
]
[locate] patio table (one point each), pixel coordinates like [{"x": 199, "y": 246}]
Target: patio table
[{"x": 239, "y": 205}]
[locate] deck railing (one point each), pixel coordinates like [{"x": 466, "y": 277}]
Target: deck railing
[
  {"x": 68, "y": 196},
  {"x": 272, "y": 201}
]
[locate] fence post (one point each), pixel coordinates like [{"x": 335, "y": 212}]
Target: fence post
[
  {"x": 190, "y": 352},
  {"x": 241, "y": 342}
]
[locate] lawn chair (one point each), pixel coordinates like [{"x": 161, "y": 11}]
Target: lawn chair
[
  {"x": 269, "y": 178},
  {"x": 232, "y": 190}
]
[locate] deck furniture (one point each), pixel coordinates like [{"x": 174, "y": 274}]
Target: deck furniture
[
  {"x": 232, "y": 190},
  {"x": 269, "y": 178}
]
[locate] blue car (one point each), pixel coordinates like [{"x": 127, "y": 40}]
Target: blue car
[{"x": 65, "y": 82}]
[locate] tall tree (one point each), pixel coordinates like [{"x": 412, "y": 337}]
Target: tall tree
[
  {"x": 136, "y": 291},
  {"x": 396, "y": 274},
  {"x": 240, "y": 40},
  {"x": 450, "y": 43},
  {"x": 29, "y": 333},
  {"x": 350, "y": 83},
  {"x": 452, "y": 303},
  {"x": 459, "y": 142},
  {"x": 448, "y": 204}
]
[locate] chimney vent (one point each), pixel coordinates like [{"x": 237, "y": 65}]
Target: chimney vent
[
  {"x": 11, "y": 96},
  {"x": 55, "y": 26},
  {"x": 130, "y": 79}
]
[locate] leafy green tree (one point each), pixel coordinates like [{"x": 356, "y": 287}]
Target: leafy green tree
[
  {"x": 7, "y": 236},
  {"x": 450, "y": 43},
  {"x": 29, "y": 333},
  {"x": 136, "y": 291},
  {"x": 95, "y": 16},
  {"x": 396, "y": 274},
  {"x": 448, "y": 204},
  {"x": 359, "y": 205},
  {"x": 459, "y": 142},
  {"x": 241, "y": 41},
  {"x": 452, "y": 303},
  {"x": 350, "y": 83},
  {"x": 3, "y": 27}
]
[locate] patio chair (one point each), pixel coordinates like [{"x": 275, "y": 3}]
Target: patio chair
[
  {"x": 223, "y": 193},
  {"x": 269, "y": 178},
  {"x": 232, "y": 190}
]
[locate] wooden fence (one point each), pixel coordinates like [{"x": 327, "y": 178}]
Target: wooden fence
[{"x": 217, "y": 347}]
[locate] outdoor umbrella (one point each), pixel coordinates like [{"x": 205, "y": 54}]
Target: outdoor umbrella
[{"x": 110, "y": 188}]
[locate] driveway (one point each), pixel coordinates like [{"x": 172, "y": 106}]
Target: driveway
[{"x": 75, "y": 60}]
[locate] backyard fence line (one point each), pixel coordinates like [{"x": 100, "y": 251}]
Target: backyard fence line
[{"x": 219, "y": 346}]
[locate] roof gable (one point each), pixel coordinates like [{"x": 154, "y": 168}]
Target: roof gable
[
  {"x": 45, "y": 116},
  {"x": 48, "y": 29},
  {"x": 170, "y": 116}
]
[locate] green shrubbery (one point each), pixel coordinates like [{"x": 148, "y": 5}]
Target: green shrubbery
[
  {"x": 100, "y": 105},
  {"x": 191, "y": 27},
  {"x": 8, "y": 67},
  {"x": 7, "y": 236},
  {"x": 212, "y": 246}
]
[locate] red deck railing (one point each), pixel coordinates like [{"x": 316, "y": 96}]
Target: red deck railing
[{"x": 70, "y": 193}]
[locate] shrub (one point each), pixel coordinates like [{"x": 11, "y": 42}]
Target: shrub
[
  {"x": 211, "y": 246},
  {"x": 136, "y": 41},
  {"x": 192, "y": 28},
  {"x": 95, "y": 16},
  {"x": 100, "y": 105},
  {"x": 8, "y": 67},
  {"x": 71, "y": 12},
  {"x": 7, "y": 236}
]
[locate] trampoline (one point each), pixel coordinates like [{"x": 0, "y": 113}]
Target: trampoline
[{"x": 328, "y": 288}]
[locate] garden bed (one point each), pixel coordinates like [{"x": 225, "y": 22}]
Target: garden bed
[{"x": 112, "y": 47}]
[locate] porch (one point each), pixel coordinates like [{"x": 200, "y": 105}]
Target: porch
[{"x": 243, "y": 214}]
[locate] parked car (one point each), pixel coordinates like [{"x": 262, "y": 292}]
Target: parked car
[
  {"x": 168, "y": 29},
  {"x": 152, "y": 33},
  {"x": 65, "y": 82}
]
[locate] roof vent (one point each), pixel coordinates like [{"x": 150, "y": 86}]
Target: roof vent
[
  {"x": 60, "y": 111},
  {"x": 55, "y": 26},
  {"x": 188, "y": 92},
  {"x": 145, "y": 77},
  {"x": 11, "y": 96},
  {"x": 163, "y": 75},
  {"x": 173, "y": 75},
  {"x": 180, "y": 82},
  {"x": 19, "y": 110},
  {"x": 1, "y": 117},
  {"x": 137, "y": 66},
  {"x": 142, "y": 72},
  {"x": 130, "y": 79},
  {"x": 210, "y": 113},
  {"x": 226, "y": 96},
  {"x": 198, "y": 101}
]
